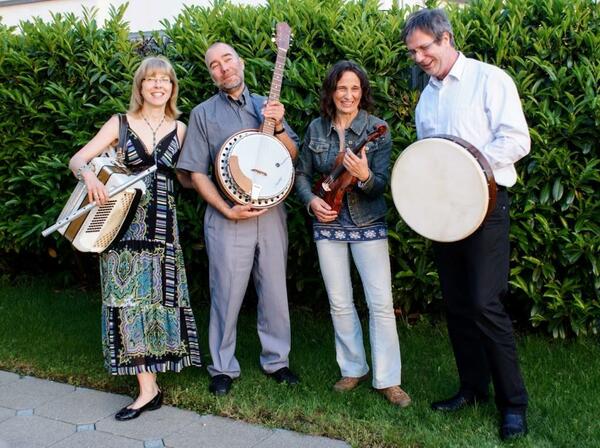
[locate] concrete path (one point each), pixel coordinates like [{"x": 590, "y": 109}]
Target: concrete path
[{"x": 37, "y": 413}]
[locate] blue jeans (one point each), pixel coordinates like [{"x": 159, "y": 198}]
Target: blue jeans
[{"x": 373, "y": 263}]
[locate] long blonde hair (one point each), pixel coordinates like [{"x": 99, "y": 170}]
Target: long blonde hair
[{"x": 150, "y": 66}]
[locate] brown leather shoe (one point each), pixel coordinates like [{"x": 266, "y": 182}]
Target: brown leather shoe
[
  {"x": 395, "y": 395},
  {"x": 347, "y": 383}
]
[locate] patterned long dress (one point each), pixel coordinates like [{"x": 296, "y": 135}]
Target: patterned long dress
[{"x": 147, "y": 322}]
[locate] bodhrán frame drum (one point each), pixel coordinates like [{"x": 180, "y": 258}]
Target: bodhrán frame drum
[{"x": 443, "y": 188}]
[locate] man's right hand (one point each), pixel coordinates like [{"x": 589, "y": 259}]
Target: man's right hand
[{"x": 238, "y": 212}]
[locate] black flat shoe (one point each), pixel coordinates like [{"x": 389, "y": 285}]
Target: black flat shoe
[
  {"x": 220, "y": 384},
  {"x": 284, "y": 375},
  {"x": 129, "y": 413},
  {"x": 457, "y": 402},
  {"x": 513, "y": 426}
]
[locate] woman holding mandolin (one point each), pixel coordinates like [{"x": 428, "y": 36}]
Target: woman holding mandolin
[{"x": 351, "y": 149}]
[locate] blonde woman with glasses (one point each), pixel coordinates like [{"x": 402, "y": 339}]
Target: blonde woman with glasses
[{"x": 147, "y": 322}]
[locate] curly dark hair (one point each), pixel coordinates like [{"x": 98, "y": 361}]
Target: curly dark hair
[{"x": 330, "y": 84}]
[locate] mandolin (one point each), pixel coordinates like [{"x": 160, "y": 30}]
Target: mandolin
[{"x": 333, "y": 186}]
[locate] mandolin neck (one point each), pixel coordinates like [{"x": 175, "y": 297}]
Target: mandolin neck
[
  {"x": 268, "y": 126},
  {"x": 339, "y": 169}
]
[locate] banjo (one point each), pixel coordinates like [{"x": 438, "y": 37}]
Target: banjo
[
  {"x": 253, "y": 167},
  {"x": 443, "y": 188}
]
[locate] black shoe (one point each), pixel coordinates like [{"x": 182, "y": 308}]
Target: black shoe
[
  {"x": 129, "y": 413},
  {"x": 220, "y": 384},
  {"x": 513, "y": 426},
  {"x": 457, "y": 402},
  {"x": 284, "y": 375}
]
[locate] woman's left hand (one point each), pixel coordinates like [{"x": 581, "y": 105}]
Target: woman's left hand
[{"x": 357, "y": 166}]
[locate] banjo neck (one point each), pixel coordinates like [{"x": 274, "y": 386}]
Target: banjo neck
[{"x": 283, "y": 42}]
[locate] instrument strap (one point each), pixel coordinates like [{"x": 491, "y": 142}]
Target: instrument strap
[{"x": 122, "y": 138}]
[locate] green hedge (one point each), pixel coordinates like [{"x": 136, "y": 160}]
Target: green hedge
[{"x": 60, "y": 81}]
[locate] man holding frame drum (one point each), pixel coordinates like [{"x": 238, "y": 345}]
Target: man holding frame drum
[{"x": 479, "y": 103}]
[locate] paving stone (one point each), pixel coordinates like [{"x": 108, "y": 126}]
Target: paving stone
[
  {"x": 97, "y": 439},
  {"x": 83, "y": 406},
  {"x": 150, "y": 425},
  {"x": 291, "y": 439},
  {"x": 218, "y": 432},
  {"x": 5, "y": 414},
  {"x": 7, "y": 377},
  {"x": 154, "y": 444},
  {"x": 33, "y": 432},
  {"x": 39, "y": 414},
  {"x": 28, "y": 393}
]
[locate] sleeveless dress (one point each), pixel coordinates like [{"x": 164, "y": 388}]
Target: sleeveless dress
[{"x": 147, "y": 322}]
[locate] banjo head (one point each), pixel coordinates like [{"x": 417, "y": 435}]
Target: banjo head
[
  {"x": 440, "y": 189},
  {"x": 255, "y": 169}
]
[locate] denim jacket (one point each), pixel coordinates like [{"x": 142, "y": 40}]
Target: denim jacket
[{"x": 317, "y": 156}]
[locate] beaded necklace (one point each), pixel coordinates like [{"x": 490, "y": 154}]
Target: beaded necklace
[{"x": 154, "y": 131}]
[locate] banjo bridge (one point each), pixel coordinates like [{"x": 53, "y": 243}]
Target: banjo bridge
[{"x": 257, "y": 171}]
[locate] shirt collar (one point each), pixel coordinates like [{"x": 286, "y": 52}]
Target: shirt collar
[
  {"x": 242, "y": 100},
  {"x": 357, "y": 126},
  {"x": 456, "y": 72}
]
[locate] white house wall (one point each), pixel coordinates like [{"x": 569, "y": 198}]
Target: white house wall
[{"x": 142, "y": 15}]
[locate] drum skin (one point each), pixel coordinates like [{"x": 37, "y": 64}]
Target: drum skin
[{"x": 443, "y": 188}]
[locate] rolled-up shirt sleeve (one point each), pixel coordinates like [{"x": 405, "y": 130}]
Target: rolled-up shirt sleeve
[{"x": 195, "y": 154}]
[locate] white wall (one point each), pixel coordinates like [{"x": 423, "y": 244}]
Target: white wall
[{"x": 142, "y": 15}]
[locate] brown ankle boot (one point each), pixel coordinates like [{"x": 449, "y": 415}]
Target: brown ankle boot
[
  {"x": 347, "y": 383},
  {"x": 395, "y": 395}
]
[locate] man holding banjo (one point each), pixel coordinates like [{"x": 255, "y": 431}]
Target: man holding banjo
[
  {"x": 242, "y": 238},
  {"x": 479, "y": 103}
]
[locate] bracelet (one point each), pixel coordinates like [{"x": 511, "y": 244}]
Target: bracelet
[
  {"x": 362, "y": 184},
  {"x": 83, "y": 168},
  {"x": 281, "y": 131}
]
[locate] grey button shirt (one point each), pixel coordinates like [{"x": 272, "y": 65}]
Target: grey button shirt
[{"x": 213, "y": 121}]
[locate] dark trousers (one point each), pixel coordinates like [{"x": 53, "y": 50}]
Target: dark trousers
[{"x": 474, "y": 277}]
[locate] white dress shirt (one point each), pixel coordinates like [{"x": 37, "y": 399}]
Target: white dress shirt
[{"x": 479, "y": 103}]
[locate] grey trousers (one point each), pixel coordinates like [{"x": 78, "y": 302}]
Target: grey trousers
[{"x": 237, "y": 249}]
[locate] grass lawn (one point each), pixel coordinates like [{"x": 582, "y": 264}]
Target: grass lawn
[{"x": 56, "y": 334}]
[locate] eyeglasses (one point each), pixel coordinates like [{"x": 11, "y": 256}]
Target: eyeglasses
[
  {"x": 420, "y": 50},
  {"x": 158, "y": 81}
]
